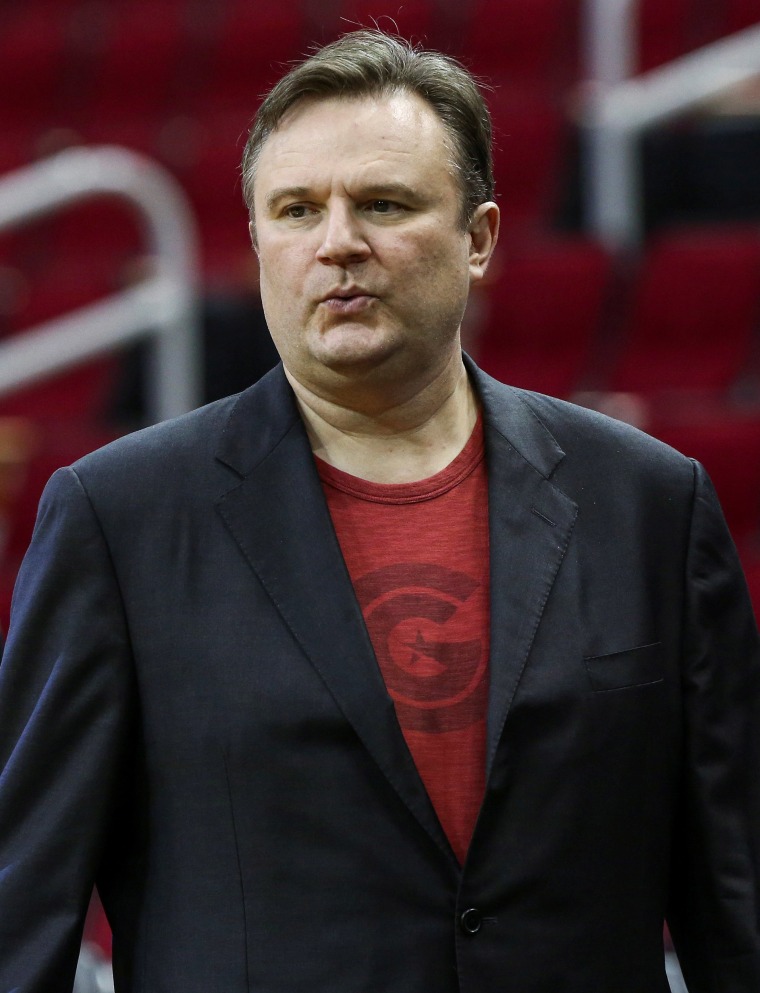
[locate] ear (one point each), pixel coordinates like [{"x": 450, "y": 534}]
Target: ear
[
  {"x": 484, "y": 233},
  {"x": 252, "y": 234}
]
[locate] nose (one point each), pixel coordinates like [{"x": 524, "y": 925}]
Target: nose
[{"x": 343, "y": 240}]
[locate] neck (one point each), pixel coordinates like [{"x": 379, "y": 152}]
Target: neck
[{"x": 404, "y": 441}]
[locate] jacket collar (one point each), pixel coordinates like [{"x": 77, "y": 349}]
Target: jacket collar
[
  {"x": 267, "y": 411},
  {"x": 530, "y": 524}
]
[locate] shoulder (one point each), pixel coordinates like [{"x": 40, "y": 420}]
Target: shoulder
[
  {"x": 593, "y": 458},
  {"x": 582, "y": 437},
  {"x": 162, "y": 449},
  {"x": 227, "y": 435},
  {"x": 589, "y": 434}
]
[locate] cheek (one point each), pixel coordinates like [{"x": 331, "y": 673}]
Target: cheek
[
  {"x": 278, "y": 284},
  {"x": 270, "y": 295},
  {"x": 277, "y": 303},
  {"x": 443, "y": 276},
  {"x": 444, "y": 258},
  {"x": 269, "y": 266},
  {"x": 284, "y": 268}
]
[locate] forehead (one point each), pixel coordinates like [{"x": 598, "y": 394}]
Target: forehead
[{"x": 359, "y": 138}]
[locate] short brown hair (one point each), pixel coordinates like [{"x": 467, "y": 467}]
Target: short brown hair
[{"x": 370, "y": 63}]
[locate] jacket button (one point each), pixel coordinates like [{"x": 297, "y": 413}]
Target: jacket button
[{"x": 471, "y": 921}]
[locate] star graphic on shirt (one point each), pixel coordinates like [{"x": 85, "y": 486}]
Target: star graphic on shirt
[
  {"x": 424, "y": 652},
  {"x": 419, "y": 646}
]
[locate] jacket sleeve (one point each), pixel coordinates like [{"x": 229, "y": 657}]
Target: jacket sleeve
[
  {"x": 66, "y": 711},
  {"x": 714, "y": 915}
]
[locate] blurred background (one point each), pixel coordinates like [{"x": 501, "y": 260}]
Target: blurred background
[{"x": 628, "y": 172}]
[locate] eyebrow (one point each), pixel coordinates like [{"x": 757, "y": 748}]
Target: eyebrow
[
  {"x": 285, "y": 193},
  {"x": 379, "y": 191},
  {"x": 395, "y": 191}
]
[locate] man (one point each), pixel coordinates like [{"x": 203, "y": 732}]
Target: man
[{"x": 380, "y": 676}]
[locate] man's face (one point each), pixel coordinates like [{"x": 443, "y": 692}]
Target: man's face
[{"x": 365, "y": 265}]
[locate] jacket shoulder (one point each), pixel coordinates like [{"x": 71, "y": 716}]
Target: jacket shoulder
[
  {"x": 587, "y": 436},
  {"x": 164, "y": 447}
]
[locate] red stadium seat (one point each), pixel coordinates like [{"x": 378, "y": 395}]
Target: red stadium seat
[
  {"x": 529, "y": 141},
  {"x": 79, "y": 396},
  {"x": 57, "y": 291},
  {"x": 225, "y": 247},
  {"x": 668, "y": 30},
  {"x": 256, "y": 39},
  {"x": 663, "y": 31},
  {"x": 82, "y": 393},
  {"x": 544, "y": 310},
  {"x": 413, "y": 19},
  {"x": 140, "y": 59},
  {"x": 212, "y": 178},
  {"x": 95, "y": 238},
  {"x": 526, "y": 41},
  {"x": 740, "y": 14},
  {"x": 694, "y": 313},
  {"x": 17, "y": 144},
  {"x": 32, "y": 63},
  {"x": 136, "y": 131}
]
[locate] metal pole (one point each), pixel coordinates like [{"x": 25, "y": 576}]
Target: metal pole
[
  {"x": 162, "y": 308},
  {"x": 609, "y": 41},
  {"x": 617, "y": 114}
]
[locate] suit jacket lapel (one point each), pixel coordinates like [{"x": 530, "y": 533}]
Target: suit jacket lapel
[
  {"x": 530, "y": 526},
  {"x": 279, "y": 518}
]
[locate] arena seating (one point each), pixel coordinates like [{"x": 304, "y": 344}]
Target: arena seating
[
  {"x": 140, "y": 55},
  {"x": 33, "y": 48},
  {"x": 530, "y": 144},
  {"x": 738, "y": 14},
  {"x": 253, "y": 40},
  {"x": 666, "y": 31},
  {"x": 545, "y": 304},
  {"x": 694, "y": 312},
  {"x": 534, "y": 42}
]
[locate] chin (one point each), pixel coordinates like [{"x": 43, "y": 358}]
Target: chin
[{"x": 347, "y": 356}]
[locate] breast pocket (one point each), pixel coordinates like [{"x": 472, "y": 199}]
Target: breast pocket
[{"x": 637, "y": 666}]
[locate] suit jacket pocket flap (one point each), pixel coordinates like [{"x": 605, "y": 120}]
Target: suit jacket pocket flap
[{"x": 633, "y": 667}]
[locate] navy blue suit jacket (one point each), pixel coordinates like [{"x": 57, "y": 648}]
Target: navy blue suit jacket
[{"x": 191, "y": 715}]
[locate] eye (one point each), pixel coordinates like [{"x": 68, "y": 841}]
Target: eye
[
  {"x": 296, "y": 211},
  {"x": 383, "y": 207}
]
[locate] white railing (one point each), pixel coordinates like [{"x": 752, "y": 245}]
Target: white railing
[
  {"x": 609, "y": 40},
  {"x": 618, "y": 110},
  {"x": 162, "y": 308}
]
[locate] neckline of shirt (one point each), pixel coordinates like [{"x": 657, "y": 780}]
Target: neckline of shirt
[{"x": 433, "y": 486}]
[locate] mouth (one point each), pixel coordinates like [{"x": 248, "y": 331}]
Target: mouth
[{"x": 348, "y": 301}]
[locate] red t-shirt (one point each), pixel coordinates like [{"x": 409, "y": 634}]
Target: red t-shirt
[{"x": 417, "y": 554}]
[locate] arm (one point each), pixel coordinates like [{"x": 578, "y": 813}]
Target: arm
[
  {"x": 66, "y": 705},
  {"x": 715, "y": 907}
]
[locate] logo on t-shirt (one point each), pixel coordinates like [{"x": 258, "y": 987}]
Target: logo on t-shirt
[{"x": 426, "y": 624}]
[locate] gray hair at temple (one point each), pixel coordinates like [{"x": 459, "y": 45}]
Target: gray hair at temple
[{"x": 371, "y": 63}]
